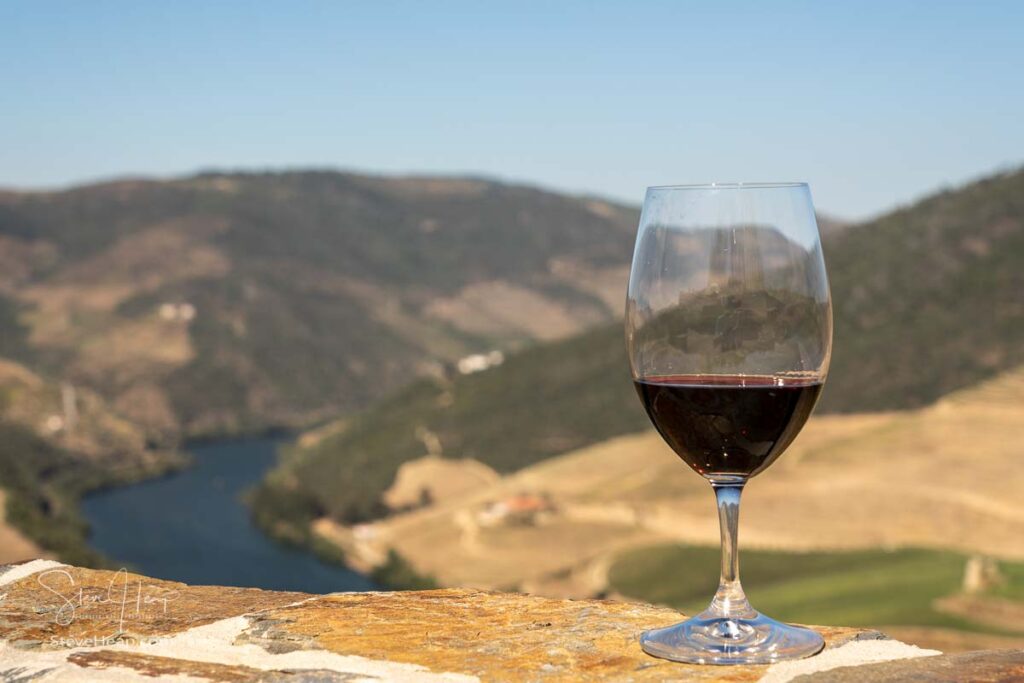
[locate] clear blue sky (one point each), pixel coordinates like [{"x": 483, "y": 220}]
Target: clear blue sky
[{"x": 874, "y": 103}]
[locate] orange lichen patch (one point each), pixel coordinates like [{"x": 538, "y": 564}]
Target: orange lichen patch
[
  {"x": 494, "y": 636},
  {"x": 67, "y": 606},
  {"x": 150, "y": 665}
]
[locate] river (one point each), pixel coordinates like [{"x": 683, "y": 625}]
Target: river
[{"x": 192, "y": 526}]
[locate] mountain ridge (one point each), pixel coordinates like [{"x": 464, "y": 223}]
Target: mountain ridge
[
  {"x": 903, "y": 287},
  {"x": 219, "y": 303}
]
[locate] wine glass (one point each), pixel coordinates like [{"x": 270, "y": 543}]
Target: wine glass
[{"x": 729, "y": 332}]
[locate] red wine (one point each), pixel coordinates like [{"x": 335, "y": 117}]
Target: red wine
[{"x": 723, "y": 425}]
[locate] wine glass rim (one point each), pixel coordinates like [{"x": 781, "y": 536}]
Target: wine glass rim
[{"x": 730, "y": 186}]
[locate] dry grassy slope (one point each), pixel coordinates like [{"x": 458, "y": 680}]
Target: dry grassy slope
[
  {"x": 946, "y": 476},
  {"x": 313, "y": 292}
]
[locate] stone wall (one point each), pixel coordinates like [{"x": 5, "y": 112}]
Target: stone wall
[{"x": 59, "y": 622}]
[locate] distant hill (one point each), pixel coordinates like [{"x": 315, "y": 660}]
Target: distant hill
[
  {"x": 230, "y": 302},
  {"x": 927, "y": 300}
]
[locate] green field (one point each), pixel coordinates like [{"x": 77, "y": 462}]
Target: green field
[{"x": 871, "y": 588}]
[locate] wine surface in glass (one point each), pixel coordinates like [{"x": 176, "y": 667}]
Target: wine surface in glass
[{"x": 724, "y": 425}]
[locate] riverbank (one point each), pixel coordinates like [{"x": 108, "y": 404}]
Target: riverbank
[
  {"x": 43, "y": 484},
  {"x": 59, "y": 441},
  {"x": 194, "y": 526}
]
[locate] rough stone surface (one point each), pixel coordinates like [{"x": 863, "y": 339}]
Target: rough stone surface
[
  {"x": 991, "y": 666},
  {"x": 154, "y": 666},
  {"x": 493, "y": 636},
  {"x": 63, "y": 603},
  {"x": 66, "y": 623}
]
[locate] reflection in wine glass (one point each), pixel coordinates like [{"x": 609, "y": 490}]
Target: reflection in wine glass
[{"x": 729, "y": 331}]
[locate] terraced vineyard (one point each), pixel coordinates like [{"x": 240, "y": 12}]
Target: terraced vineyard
[{"x": 944, "y": 480}]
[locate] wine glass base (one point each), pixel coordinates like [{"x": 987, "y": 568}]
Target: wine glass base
[{"x": 706, "y": 639}]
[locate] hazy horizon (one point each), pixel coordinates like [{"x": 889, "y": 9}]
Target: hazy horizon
[{"x": 456, "y": 175}]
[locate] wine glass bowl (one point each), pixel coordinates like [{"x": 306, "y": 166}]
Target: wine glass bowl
[{"x": 728, "y": 331}]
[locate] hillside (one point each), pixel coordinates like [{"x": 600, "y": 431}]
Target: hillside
[
  {"x": 821, "y": 521},
  {"x": 838, "y": 488},
  {"x": 544, "y": 401},
  {"x": 56, "y": 442},
  {"x": 927, "y": 300},
  {"x": 222, "y": 303}
]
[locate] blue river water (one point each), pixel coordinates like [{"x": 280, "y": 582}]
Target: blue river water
[{"x": 192, "y": 526}]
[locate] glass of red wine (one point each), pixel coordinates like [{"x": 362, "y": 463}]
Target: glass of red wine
[{"x": 729, "y": 332}]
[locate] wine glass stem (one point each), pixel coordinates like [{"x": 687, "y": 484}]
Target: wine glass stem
[{"x": 730, "y": 601}]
